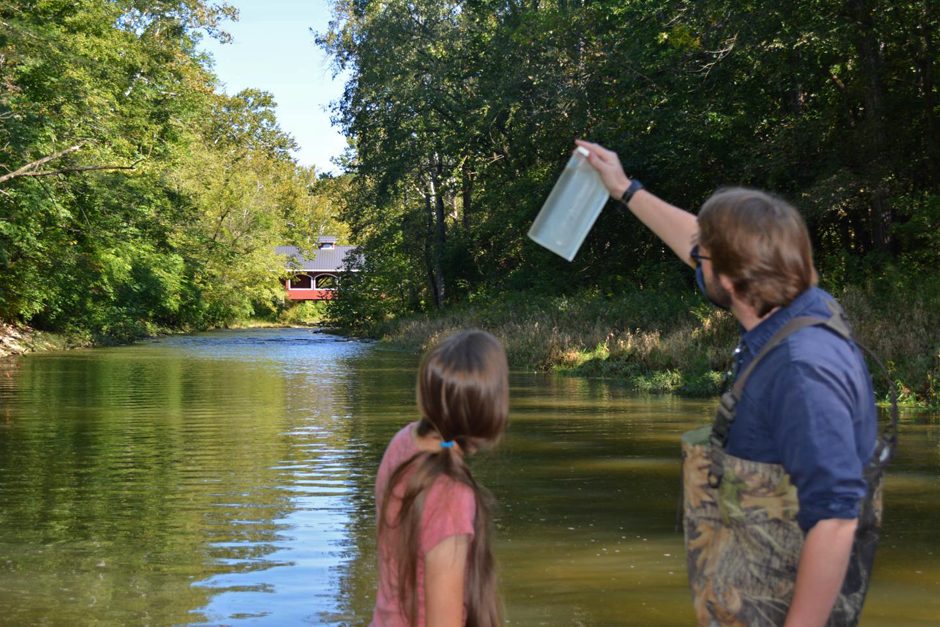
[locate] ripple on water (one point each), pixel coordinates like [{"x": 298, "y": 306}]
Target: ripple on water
[{"x": 228, "y": 478}]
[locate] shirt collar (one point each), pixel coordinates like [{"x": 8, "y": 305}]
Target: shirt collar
[{"x": 802, "y": 305}]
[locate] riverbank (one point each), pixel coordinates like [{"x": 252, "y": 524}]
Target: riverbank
[
  {"x": 17, "y": 339},
  {"x": 674, "y": 342},
  {"x": 653, "y": 341},
  {"x": 21, "y": 339}
]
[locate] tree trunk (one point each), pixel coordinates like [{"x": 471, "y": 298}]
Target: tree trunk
[
  {"x": 874, "y": 142},
  {"x": 440, "y": 230},
  {"x": 927, "y": 62},
  {"x": 467, "y": 194},
  {"x": 429, "y": 256}
]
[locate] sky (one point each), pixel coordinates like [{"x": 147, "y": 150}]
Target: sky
[{"x": 273, "y": 49}]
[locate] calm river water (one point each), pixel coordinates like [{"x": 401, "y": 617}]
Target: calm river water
[{"x": 227, "y": 478}]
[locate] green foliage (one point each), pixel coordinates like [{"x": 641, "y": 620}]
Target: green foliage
[
  {"x": 457, "y": 143},
  {"x": 896, "y": 314},
  {"x": 919, "y": 235},
  {"x": 460, "y": 139},
  {"x": 308, "y": 312},
  {"x": 133, "y": 196}
]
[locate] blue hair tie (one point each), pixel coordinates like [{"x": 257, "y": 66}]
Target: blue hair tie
[{"x": 447, "y": 444}]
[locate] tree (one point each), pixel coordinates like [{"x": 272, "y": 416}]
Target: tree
[
  {"x": 834, "y": 106},
  {"x": 133, "y": 196}
]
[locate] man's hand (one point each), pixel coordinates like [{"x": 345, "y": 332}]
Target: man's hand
[{"x": 607, "y": 164}]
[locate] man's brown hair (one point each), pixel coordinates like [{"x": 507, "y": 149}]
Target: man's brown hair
[{"x": 761, "y": 243}]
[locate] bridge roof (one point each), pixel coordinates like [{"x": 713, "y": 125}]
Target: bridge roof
[{"x": 325, "y": 259}]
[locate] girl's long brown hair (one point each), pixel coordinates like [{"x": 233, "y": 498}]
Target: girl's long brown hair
[{"x": 463, "y": 395}]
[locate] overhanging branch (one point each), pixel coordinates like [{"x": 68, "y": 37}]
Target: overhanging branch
[
  {"x": 29, "y": 167},
  {"x": 81, "y": 168}
]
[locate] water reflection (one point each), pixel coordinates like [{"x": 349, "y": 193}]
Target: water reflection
[{"x": 228, "y": 477}]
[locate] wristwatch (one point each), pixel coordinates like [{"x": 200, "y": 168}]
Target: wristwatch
[{"x": 634, "y": 187}]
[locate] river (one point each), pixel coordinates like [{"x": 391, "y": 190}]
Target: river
[{"x": 227, "y": 478}]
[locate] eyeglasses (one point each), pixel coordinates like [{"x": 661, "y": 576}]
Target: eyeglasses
[{"x": 696, "y": 257}]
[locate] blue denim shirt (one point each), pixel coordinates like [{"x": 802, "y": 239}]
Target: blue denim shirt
[{"x": 809, "y": 405}]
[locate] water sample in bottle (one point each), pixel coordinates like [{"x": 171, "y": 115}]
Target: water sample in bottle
[{"x": 571, "y": 209}]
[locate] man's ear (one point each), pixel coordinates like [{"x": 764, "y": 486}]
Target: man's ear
[{"x": 726, "y": 283}]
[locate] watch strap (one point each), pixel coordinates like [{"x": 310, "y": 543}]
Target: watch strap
[{"x": 634, "y": 187}]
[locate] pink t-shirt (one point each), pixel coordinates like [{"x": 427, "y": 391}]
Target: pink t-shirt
[{"x": 449, "y": 510}]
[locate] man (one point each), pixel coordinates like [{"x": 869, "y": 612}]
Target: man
[{"x": 808, "y": 406}]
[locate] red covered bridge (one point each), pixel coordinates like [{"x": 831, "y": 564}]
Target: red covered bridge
[{"x": 317, "y": 278}]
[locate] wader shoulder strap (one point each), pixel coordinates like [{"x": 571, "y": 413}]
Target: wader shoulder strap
[
  {"x": 837, "y": 323},
  {"x": 728, "y": 403}
]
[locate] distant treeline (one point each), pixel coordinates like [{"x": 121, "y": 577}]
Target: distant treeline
[
  {"x": 134, "y": 194},
  {"x": 463, "y": 113}
]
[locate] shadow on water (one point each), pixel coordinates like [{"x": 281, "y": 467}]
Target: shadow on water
[{"x": 228, "y": 477}]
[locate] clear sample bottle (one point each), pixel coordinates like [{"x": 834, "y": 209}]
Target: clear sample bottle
[{"x": 571, "y": 208}]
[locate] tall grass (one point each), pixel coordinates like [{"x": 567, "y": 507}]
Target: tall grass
[
  {"x": 672, "y": 341},
  {"x": 649, "y": 339},
  {"x": 307, "y": 312},
  {"x": 905, "y": 335}
]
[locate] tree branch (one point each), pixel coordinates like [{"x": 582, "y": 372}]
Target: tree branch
[
  {"x": 26, "y": 169},
  {"x": 80, "y": 168}
]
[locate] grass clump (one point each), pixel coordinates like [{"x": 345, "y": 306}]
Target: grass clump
[
  {"x": 673, "y": 342},
  {"x": 647, "y": 339}
]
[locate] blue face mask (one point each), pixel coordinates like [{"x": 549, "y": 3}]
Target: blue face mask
[{"x": 700, "y": 280}]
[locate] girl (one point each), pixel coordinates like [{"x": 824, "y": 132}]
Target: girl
[{"x": 435, "y": 564}]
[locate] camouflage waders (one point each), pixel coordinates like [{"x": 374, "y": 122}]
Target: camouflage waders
[{"x": 741, "y": 534}]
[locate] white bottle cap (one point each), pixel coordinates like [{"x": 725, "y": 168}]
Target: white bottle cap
[{"x": 584, "y": 152}]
